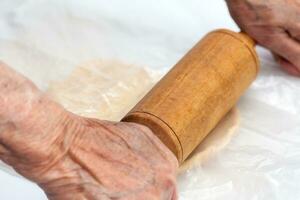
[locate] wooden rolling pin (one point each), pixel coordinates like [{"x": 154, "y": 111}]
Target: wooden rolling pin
[{"x": 197, "y": 93}]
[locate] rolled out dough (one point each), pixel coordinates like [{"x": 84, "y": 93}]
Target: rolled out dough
[
  {"x": 214, "y": 142},
  {"x": 109, "y": 89},
  {"x": 102, "y": 89}
]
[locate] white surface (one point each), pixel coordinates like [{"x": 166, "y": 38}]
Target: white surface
[{"x": 46, "y": 39}]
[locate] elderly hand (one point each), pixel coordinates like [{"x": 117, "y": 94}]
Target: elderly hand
[
  {"x": 76, "y": 158},
  {"x": 274, "y": 24}
]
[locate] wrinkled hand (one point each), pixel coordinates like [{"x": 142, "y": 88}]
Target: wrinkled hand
[
  {"x": 72, "y": 157},
  {"x": 274, "y": 24}
]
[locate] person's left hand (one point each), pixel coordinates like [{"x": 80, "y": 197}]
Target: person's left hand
[{"x": 71, "y": 157}]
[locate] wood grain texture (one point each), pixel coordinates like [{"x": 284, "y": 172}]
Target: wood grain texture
[{"x": 197, "y": 93}]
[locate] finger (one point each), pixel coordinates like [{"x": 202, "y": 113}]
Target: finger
[
  {"x": 281, "y": 43},
  {"x": 3, "y": 150},
  {"x": 5, "y": 155},
  {"x": 288, "y": 49},
  {"x": 294, "y": 33},
  {"x": 175, "y": 196},
  {"x": 287, "y": 66},
  {"x": 293, "y": 29}
]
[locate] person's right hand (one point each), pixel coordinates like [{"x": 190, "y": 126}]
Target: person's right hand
[
  {"x": 76, "y": 158},
  {"x": 274, "y": 24}
]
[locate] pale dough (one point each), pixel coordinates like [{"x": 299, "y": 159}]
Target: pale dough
[
  {"x": 214, "y": 142},
  {"x": 109, "y": 89},
  {"x": 102, "y": 89}
]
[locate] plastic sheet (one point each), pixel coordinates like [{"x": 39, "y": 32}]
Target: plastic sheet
[{"x": 261, "y": 162}]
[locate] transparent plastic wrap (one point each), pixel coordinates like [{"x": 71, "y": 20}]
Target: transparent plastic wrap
[{"x": 262, "y": 160}]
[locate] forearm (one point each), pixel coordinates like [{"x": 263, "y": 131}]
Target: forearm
[
  {"x": 22, "y": 103},
  {"x": 17, "y": 95}
]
